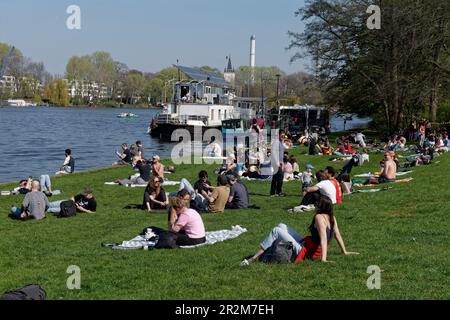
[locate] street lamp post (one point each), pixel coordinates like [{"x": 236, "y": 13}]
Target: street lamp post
[
  {"x": 278, "y": 89},
  {"x": 165, "y": 88}
]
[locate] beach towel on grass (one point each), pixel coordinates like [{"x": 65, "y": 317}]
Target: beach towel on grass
[
  {"x": 372, "y": 190},
  {"x": 165, "y": 183},
  {"x": 212, "y": 237}
]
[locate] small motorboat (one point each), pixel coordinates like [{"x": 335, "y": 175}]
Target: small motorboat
[{"x": 127, "y": 115}]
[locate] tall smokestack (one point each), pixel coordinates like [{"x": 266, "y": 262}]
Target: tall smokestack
[
  {"x": 252, "y": 58},
  {"x": 253, "y": 51}
]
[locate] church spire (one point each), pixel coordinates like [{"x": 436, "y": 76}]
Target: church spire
[{"x": 229, "y": 67}]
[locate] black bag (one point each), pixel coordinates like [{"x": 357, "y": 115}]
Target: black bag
[
  {"x": 280, "y": 252},
  {"x": 68, "y": 209},
  {"x": 29, "y": 292},
  {"x": 165, "y": 239}
]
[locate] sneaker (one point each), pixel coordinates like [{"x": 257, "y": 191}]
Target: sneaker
[
  {"x": 297, "y": 209},
  {"x": 290, "y": 210},
  {"x": 244, "y": 263},
  {"x": 311, "y": 207},
  {"x": 282, "y": 195},
  {"x": 274, "y": 195}
]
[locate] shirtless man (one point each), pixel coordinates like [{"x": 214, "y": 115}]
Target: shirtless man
[{"x": 388, "y": 171}]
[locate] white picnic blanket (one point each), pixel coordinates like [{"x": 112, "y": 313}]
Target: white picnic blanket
[
  {"x": 212, "y": 237},
  {"x": 165, "y": 183},
  {"x": 372, "y": 190}
]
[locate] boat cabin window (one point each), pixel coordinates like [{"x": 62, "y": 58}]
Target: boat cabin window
[
  {"x": 184, "y": 91},
  {"x": 231, "y": 124}
]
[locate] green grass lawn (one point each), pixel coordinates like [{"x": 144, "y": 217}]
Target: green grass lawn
[{"x": 404, "y": 231}]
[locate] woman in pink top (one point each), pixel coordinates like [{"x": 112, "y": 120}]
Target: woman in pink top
[{"x": 188, "y": 224}]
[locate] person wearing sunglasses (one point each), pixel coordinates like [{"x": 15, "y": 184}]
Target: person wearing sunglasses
[{"x": 155, "y": 197}]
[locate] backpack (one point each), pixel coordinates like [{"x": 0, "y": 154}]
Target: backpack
[
  {"x": 68, "y": 209},
  {"x": 29, "y": 292},
  {"x": 167, "y": 240},
  {"x": 280, "y": 252},
  {"x": 164, "y": 239}
]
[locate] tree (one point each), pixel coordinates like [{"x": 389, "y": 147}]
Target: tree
[
  {"x": 56, "y": 93},
  {"x": 80, "y": 68},
  {"x": 301, "y": 85},
  {"x": 104, "y": 68},
  {"x": 133, "y": 86},
  {"x": 160, "y": 85},
  {"x": 254, "y": 82}
]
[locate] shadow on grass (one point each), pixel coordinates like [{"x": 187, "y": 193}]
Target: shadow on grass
[{"x": 141, "y": 207}]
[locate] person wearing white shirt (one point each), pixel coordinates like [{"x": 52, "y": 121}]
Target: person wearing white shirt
[{"x": 324, "y": 188}]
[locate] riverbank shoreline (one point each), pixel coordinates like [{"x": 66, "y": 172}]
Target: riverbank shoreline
[{"x": 90, "y": 107}]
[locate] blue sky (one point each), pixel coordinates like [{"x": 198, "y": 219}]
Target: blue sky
[{"x": 151, "y": 34}]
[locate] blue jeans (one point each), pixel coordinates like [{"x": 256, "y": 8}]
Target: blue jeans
[
  {"x": 184, "y": 184},
  {"x": 54, "y": 207},
  {"x": 46, "y": 184},
  {"x": 283, "y": 232},
  {"x": 15, "y": 212}
]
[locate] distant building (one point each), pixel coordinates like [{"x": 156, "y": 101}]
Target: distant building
[
  {"x": 88, "y": 89},
  {"x": 229, "y": 74},
  {"x": 27, "y": 86},
  {"x": 8, "y": 85},
  {"x": 30, "y": 86}
]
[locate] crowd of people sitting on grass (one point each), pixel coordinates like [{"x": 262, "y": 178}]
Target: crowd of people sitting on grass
[{"x": 319, "y": 190}]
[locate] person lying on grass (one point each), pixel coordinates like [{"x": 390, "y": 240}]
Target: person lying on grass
[
  {"x": 323, "y": 229},
  {"x": 143, "y": 178},
  {"x": 346, "y": 184},
  {"x": 154, "y": 195},
  {"x": 198, "y": 202},
  {"x": 45, "y": 182},
  {"x": 85, "y": 202},
  {"x": 188, "y": 224}
]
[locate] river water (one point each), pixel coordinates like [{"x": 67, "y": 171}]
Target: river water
[{"x": 33, "y": 140}]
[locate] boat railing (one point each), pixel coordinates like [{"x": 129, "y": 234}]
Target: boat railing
[{"x": 181, "y": 119}]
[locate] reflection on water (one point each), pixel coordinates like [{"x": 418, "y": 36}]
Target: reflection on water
[{"x": 33, "y": 140}]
